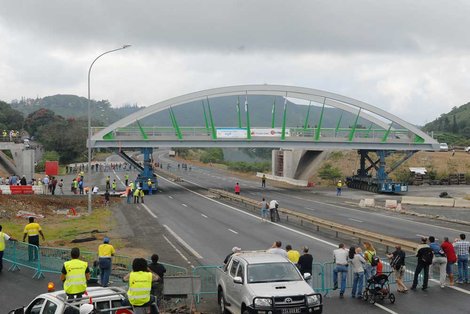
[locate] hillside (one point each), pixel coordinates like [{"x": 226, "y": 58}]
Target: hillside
[{"x": 452, "y": 127}]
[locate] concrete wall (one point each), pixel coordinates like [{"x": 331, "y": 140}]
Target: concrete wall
[
  {"x": 297, "y": 164},
  {"x": 23, "y": 159}
]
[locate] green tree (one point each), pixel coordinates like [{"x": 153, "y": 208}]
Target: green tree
[
  {"x": 328, "y": 172},
  {"x": 212, "y": 155}
]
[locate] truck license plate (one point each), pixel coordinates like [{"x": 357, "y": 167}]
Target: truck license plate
[{"x": 292, "y": 310}]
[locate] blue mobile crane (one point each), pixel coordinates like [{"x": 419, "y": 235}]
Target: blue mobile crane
[{"x": 146, "y": 170}]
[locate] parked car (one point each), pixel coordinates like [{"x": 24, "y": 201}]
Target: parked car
[
  {"x": 443, "y": 147},
  {"x": 261, "y": 282}
]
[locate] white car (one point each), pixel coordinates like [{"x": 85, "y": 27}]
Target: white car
[
  {"x": 467, "y": 149},
  {"x": 56, "y": 302},
  {"x": 443, "y": 147},
  {"x": 261, "y": 282}
]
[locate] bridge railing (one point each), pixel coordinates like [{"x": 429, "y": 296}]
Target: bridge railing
[{"x": 332, "y": 134}]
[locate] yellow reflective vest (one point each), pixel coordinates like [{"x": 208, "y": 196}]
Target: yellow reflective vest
[
  {"x": 140, "y": 284},
  {"x": 2, "y": 242},
  {"x": 75, "y": 279}
]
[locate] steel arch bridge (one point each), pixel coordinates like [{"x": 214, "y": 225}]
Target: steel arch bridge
[{"x": 386, "y": 131}]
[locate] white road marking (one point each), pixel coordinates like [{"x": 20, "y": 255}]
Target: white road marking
[
  {"x": 233, "y": 231},
  {"x": 169, "y": 196},
  {"x": 178, "y": 251},
  {"x": 421, "y": 236},
  {"x": 149, "y": 211},
  {"x": 204, "y": 216},
  {"x": 380, "y": 306},
  {"x": 180, "y": 240},
  {"x": 184, "y": 205},
  {"x": 355, "y": 220},
  {"x": 310, "y": 208},
  {"x": 452, "y": 287}
]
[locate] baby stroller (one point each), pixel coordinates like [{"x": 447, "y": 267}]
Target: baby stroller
[{"x": 378, "y": 288}]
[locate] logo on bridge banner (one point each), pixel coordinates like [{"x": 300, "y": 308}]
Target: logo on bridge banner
[
  {"x": 277, "y": 132},
  {"x": 241, "y": 133}
]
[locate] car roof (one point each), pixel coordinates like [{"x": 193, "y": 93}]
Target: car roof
[
  {"x": 262, "y": 257},
  {"x": 93, "y": 292}
]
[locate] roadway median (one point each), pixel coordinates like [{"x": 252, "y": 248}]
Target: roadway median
[{"x": 303, "y": 219}]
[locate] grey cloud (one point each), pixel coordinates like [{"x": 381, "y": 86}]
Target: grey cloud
[{"x": 243, "y": 26}]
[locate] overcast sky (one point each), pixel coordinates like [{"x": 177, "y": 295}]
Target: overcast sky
[{"x": 411, "y": 58}]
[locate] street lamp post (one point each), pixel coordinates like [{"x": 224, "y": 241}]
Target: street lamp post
[{"x": 89, "y": 121}]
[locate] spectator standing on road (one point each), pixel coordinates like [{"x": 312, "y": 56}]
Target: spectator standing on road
[
  {"x": 448, "y": 248},
  {"x": 3, "y": 237},
  {"x": 75, "y": 274},
  {"x": 126, "y": 177},
  {"x": 105, "y": 253},
  {"x": 114, "y": 185},
  {"x": 235, "y": 249},
  {"x": 160, "y": 270},
  {"x": 108, "y": 183},
  {"x": 140, "y": 286},
  {"x": 425, "y": 257},
  {"x": 357, "y": 263},
  {"x": 371, "y": 260},
  {"x": 305, "y": 262},
  {"x": 340, "y": 258},
  {"x": 237, "y": 189},
  {"x": 136, "y": 195},
  {"x": 45, "y": 183},
  {"x": 61, "y": 186},
  {"x": 263, "y": 181},
  {"x": 439, "y": 261},
  {"x": 292, "y": 255},
  {"x": 397, "y": 262},
  {"x": 264, "y": 210},
  {"x": 339, "y": 186},
  {"x": 106, "y": 198},
  {"x": 33, "y": 230},
  {"x": 273, "y": 205},
  {"x": 23, "y": 180},
  {"x": 276, "y": 248},
  {"x": 462, "y": 248},
  {"x": 80, "y": 187}
]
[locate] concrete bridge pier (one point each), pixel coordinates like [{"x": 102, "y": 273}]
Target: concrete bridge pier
[
  {"x": 23, "y": 159},
  {"x": 296, "y": 164}
]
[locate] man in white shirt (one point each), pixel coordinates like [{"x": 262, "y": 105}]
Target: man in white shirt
[
  {"x": 340, "y": 257},
  {"x": 273, "y": 205},
  {"x": 95, "y": 189},
  {"x": 276, "y": 248}
]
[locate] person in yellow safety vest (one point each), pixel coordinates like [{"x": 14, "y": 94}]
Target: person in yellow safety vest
[
  {"x": 140, "y": 285},
  {"x": 339, "y": 185},
  {"x": 32, "y": 230},
  {"x": 75, "y": 274},
  {"x": 126, "y": 177},
  {"x": 149, "y": 184},
  {"x": 3, "y": 237},
  {"x": 105, "y": 252},
  {"x": 5, "y": 135},
  {"x": 137, "y": 194},
  {"x": 141, "y": 195},
  {"x": 114, "y": 186}
]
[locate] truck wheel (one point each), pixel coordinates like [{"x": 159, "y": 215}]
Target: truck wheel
[{"x": 222, "y": 309}]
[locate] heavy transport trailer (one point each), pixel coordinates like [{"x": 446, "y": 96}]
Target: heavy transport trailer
[
  {"x": 146, "y": 171},
  {"x": 381, "y": 183}
]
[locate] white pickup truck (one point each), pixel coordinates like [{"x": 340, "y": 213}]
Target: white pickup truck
[
  {"x": 261, "y": 282},
  {"x": 104, "y": 300}
]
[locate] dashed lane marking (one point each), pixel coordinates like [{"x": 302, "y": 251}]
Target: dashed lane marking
[
  {"x": 169, "y": 196},
  {"x": 180, "y": 240},
  {"x": 204, "y": 216},
  {"x": 184, "y": 205},
  {"x": 357, "y": 220},
  {"x": 233, "y": 231}
]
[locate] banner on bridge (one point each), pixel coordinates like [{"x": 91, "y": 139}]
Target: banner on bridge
[
  {"x": 276, "y": 132},
  {"x": 231, "y": 133}
]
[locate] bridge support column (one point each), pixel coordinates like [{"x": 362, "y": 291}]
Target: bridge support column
[{"x": 285, "y": 162}]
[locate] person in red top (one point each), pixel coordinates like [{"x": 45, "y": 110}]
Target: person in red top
[
  {"x": 380, "y": 267},
  {"x": 448, "y": 248},
  {"x": 237, "y": 189}
]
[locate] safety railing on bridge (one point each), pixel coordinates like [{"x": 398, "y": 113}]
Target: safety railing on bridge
[{"x": 338, "y": 134}]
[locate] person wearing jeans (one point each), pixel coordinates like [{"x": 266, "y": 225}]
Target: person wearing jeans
[
  {"x": 439, "y": 261},
  {"x": 105, "y": 253},
  {"x": 462, "y": 248},
  {"x": 340, "y": 256},
  {"x": 358, "y": 270}
]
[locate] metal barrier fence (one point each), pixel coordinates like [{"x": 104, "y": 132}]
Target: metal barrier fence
[
  {"x": 207, "y": 275},
  {"x": 51, "y": 260}
]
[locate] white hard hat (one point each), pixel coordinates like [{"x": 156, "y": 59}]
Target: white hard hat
[{"x": 86, "y": 308}]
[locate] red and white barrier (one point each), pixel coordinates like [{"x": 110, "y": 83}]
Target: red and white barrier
[{"x": 18, "y": 189}]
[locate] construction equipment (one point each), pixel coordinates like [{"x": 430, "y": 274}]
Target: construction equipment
[
  {"x": 146, "y": 170},
  {"x": 381, "y": 183}
]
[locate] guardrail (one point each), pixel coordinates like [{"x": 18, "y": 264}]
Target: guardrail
[{"x": 323, "y": 223}]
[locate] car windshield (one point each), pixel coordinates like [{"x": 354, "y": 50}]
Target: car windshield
[{"x": 272, "y": 272}]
